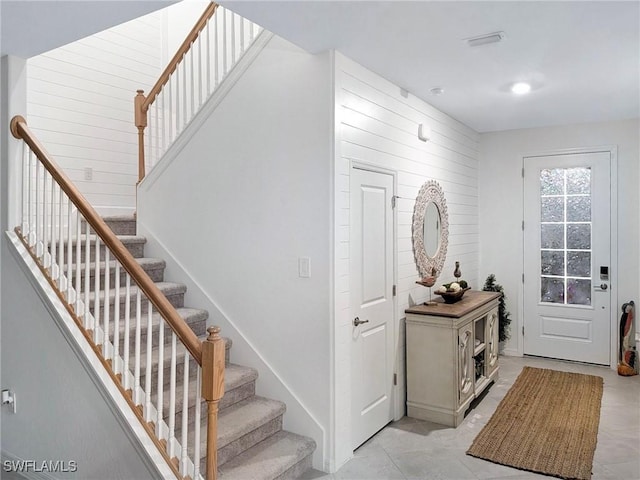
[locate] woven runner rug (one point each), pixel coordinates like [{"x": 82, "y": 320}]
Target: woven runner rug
[{"x": 547, "y": 423}]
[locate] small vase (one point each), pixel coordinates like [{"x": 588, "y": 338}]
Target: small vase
[{"x": 457, "y": 273}]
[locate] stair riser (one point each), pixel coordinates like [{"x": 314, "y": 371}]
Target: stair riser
[
  {"x": 247, "y": 441},
  {"x": 297, "y": 470},
  {"x": 135, "y": 248},
  {"x": 177, "y": 300},
  {"x": 119, "y": 227}
]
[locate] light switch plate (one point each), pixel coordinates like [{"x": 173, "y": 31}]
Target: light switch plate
[{"x": 304, "y": 267}]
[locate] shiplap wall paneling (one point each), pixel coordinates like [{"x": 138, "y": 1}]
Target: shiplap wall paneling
[
  {"x": 80, "y": 104},
  {"x": 376, "y": 125}
]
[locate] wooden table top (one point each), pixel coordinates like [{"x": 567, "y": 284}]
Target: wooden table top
[{"x": 472, "y": 299}]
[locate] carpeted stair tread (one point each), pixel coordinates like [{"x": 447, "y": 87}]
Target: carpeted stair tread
[
  {"x": 272, "y": 458},
  {"x": 244, "y": 417}
]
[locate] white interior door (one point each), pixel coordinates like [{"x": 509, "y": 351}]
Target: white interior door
[
  {"x": 567, "y": 249},
  {"x": 371, "y": 287}
]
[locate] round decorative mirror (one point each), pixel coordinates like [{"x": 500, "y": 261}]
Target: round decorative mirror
[{"x": 430, "y": 229}]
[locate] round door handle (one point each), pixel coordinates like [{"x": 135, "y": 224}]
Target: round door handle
[{"x": 357, "y": 321}]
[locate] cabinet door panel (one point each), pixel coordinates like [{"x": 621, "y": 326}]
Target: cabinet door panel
[
  {"x": 492, "y": 339},
  {"x": 465, "y": 366}
]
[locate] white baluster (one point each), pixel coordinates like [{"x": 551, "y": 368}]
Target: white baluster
[
  {"x": 224, "y": 44},
  {"x": 69, "y": 252},
  {"x": 78, "y": 263},
  {"x": 241, "y": 35},
  {"x": 216, "y": 45},
  {"x": 233, "y": 38},
  {"x": 185, "y": 96},
  {"x": 38, "y": 220},
  {"x": 164, "y": 120},
  {"x": 116, "y": 320},
  {"x": 54, "y": 240},
  {"x": 200, "y": 70},
  {"x": 171, "y": 120},
  {"x": 87, "y": 273},
  {"x": 96, "y": 291},
  {"x": 177, "y": 83},
  {"x": 107, "y": 300},
  {"x": 46, "y": 258},
  {"x": 136, "y": 352},
  {"x": 185, "y": 414},
  {"x": 198, "y": 407},
  {"x": 24, "y": 211},
  {"x": 147, "y": 378},
  {"x": 207, "y": 57},
  {"x": 192, "y": 93},
  {"x": 31, "y": 234},
  {"x": 172, "y": 397},
  {"x": 61, "y": 280},
  {"x": 160, "y": 400},
  {"x": 127, "y": 326}
]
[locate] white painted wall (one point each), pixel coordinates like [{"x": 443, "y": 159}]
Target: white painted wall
[
  {"x": 61, "y": 409},
  {"x": 501, "y": 203},
  {"x": 234, "y": 210},
  {"x": 377, "y": 125}
]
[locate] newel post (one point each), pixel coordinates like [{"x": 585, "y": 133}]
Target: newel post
[
  {"x": 141, "y": 123},
  {"x": 213, "y": 353}
]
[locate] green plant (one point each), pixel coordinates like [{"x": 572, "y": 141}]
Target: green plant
[{"x": 490, "y": 285}]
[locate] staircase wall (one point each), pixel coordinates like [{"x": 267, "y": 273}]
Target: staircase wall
[
  {"x": 62, "y": 412},
  {"x": 237, "y": 207}
]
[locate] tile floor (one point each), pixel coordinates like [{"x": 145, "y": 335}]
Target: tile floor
[{"x": 414, "y": 449}]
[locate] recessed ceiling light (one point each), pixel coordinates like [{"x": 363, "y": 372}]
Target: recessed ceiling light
[
  {"x": 485, "y": 39},
  {"x": 520, "y": 88},
  {"x": 436, "y": 91}
]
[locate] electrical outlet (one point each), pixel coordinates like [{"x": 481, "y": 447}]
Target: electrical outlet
[{"x": 88, "y": 174}]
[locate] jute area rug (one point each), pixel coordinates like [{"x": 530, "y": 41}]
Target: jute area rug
[{"x": 547, "y": 423}]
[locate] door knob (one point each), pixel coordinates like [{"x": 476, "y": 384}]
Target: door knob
[
  {"x": 357, "y": 321},
  {"x": 602, "y": 287}
]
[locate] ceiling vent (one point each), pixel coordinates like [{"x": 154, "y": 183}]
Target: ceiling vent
[{"x": 485, "y": 39}]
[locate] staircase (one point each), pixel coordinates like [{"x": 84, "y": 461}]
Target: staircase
[{"x": 251, "y": 442}]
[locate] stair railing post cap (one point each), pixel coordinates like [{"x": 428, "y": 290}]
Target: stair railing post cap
[{"x": 214, "y": 333}]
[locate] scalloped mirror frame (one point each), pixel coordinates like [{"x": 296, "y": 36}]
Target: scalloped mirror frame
[{"x": 430, "y": 192}]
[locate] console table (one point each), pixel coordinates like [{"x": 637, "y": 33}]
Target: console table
[{"x": 452, "y": 355}]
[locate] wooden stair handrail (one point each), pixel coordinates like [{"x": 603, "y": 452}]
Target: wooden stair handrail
[
  {"x": 182, "y": 50},
  {"x": 20, "y": 130}
]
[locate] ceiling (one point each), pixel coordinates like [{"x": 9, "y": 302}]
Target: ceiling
[
  {"x": 581, "y": 58},
  {"x": 31, "y": 27}
]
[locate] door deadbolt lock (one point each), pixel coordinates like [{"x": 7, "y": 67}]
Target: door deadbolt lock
[{"x": 357, "y": 321}]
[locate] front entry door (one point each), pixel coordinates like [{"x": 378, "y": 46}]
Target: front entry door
[
  {"x": 567, "y": 241},
  {"x": 371, "y": 290}
]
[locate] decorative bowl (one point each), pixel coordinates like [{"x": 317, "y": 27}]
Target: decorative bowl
[{"x": 453, "y": 297}]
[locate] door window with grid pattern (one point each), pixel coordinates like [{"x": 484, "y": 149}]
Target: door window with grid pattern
[{"x": 565, "y": 236}]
